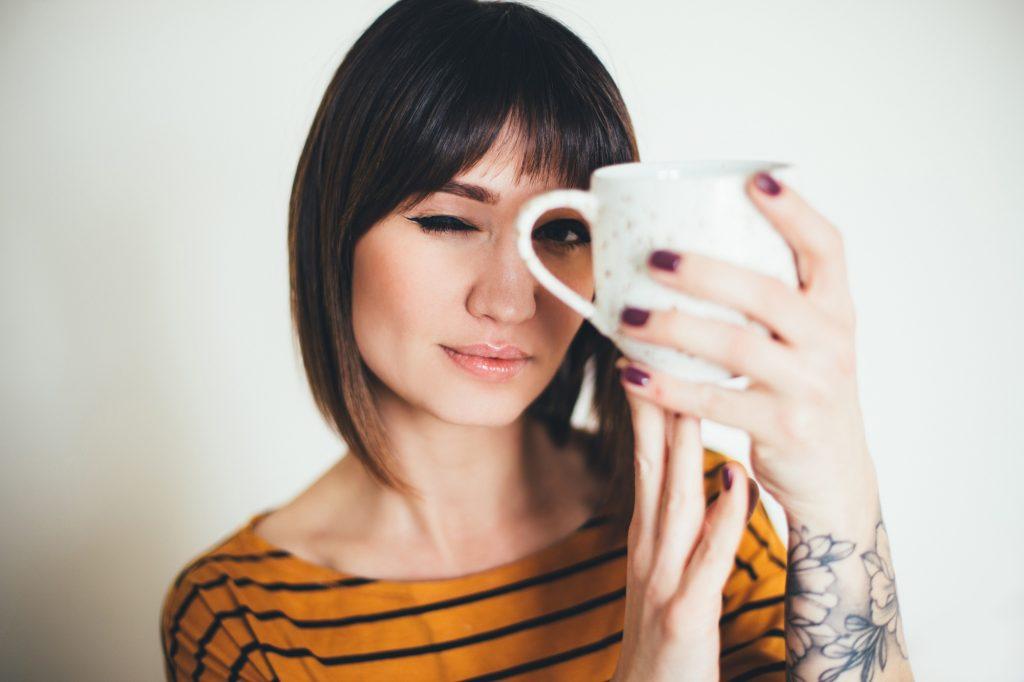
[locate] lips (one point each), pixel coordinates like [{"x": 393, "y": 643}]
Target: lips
[
  {"x": 486, "y": 350},
  {"x": 488, "y": 369}
]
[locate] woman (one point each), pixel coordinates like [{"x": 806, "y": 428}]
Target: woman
[{"x": 473, "y": 532}]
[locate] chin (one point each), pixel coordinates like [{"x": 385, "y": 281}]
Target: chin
[{"x": 477, "y": 415}]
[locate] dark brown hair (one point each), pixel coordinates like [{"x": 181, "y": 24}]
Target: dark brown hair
[{"x": 419, "y": 98}]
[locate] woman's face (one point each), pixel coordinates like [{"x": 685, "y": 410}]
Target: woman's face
[{"x": 417, "y": 293}]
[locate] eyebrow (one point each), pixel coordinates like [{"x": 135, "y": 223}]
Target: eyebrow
[{"x": 474, "y": 192}]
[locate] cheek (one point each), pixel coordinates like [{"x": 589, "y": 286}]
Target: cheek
[
  {"x": 574, "y": 269},
  {"x": 397, "y": 300},
  {"x": 576, "y": 273}
]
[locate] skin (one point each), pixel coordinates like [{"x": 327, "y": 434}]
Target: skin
[{"x": 413, "y": 292}]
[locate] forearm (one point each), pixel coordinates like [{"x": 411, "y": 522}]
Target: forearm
[{"x": 842, "y": 611}]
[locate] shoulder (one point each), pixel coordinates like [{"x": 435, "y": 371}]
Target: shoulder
[{"x": 200, "y": 599}]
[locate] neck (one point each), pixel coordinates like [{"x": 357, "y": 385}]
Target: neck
[{"x": 476, "y": 483}]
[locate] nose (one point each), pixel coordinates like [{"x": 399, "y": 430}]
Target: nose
[{"x": 504, "y": 289}]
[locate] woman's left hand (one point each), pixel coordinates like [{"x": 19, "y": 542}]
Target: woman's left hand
[{"x": 801, "y": 408}]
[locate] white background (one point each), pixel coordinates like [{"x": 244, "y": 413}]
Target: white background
[{"x": 152, "y": 397}]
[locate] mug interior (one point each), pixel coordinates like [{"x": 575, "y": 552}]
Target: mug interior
[{"x": 672, "y": 170}]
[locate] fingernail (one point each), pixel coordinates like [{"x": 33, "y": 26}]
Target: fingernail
[
  {"x": 727, "y": 477},
  {"x": 636, "y": 375},
  {"x": 635, "y": 316},
  {"x": 767, "y": 184},
  {"x": 665, "y": 260},
  {"x": 752, "y": 495}
]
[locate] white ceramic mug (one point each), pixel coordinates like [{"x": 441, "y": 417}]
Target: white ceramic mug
[{"x": 635, "y": 208}]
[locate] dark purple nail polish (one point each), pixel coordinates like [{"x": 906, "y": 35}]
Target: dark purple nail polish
[
  {"x": 635, "y": 375},
  {"x": 635, "y": 316},
  {"x": 767, "y": 184},
  {"x": 752, "y": 496},
  {"x": 727, "y": 477},
  {"x": 665, "y": 260}
]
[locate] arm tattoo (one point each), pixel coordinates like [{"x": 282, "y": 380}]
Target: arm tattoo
[{"x": 814, "y": 622}]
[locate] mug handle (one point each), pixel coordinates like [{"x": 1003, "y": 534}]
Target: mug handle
[{"x": 583, "y": 202}]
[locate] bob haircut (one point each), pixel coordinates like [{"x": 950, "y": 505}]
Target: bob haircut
[{"x": 419, "y": 98}]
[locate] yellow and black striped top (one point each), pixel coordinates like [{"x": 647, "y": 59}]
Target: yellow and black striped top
[{"x": 247, "y": 610}]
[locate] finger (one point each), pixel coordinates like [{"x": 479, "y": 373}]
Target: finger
[
  {"x": 741, "y": 349},
  {"x": 682, "y": 502},
  {"x": 714, "y": 556},
  {"x": 750, "y": 409},
  {"x": 761, "y": 297},
  {"x": 817, "y": 244},
  {"x": 649, "y": 453}
]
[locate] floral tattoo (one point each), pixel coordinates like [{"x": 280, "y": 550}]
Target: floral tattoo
[
  {"x": 807, "y": 594},
  {"x": 810, "y": 601}
]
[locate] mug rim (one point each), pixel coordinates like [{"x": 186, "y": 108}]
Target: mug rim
[{"x": 685, "y": 168}]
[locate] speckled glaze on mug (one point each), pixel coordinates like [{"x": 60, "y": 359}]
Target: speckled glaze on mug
[{"x": 636, "y": 208}]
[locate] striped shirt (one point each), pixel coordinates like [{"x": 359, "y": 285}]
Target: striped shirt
[{"x": 248, "y": 610}]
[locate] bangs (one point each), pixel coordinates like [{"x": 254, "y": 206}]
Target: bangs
[{"x": 470, "y": 78}]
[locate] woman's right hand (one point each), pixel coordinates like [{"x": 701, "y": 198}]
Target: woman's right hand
[{"x": 679, "y": 555}]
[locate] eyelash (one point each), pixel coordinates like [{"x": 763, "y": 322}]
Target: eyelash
[{"x": 443, "y": 223}]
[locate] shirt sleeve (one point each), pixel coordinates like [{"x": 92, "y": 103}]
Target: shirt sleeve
[{"x": 202, "y": 631}]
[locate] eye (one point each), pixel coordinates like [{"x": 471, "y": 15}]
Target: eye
[
  {"x": 564, "y": 233},
  {"x": 442, "y": 223}
]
